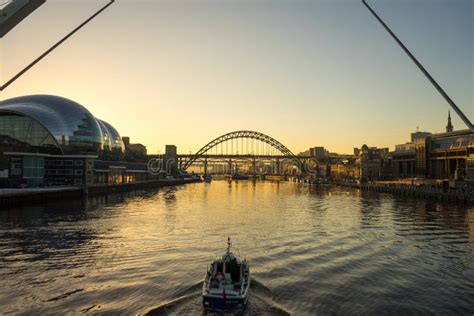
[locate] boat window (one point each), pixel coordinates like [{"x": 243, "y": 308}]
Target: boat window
[
  {"x": 220, "y": 267},
  {"x": 233, "y": 268}
]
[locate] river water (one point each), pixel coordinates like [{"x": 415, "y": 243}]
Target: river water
[{"x": 313, "y": 251}]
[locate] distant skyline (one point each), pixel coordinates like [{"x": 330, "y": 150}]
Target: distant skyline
[{"x": 308, "y": 73}]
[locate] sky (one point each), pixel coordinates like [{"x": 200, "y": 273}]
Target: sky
[{"x": 308, "y": 73}]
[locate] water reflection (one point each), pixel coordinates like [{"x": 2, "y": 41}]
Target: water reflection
[{"x": 318, "y": 250}]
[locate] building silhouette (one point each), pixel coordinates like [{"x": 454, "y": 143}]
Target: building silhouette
[
  {"x": 449, "y": 127},
  {"x": 448, "y": 155}
]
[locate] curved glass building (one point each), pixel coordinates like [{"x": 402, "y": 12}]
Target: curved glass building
[
  {"x": 111, "y": 138},
  {"x": 51, "y": 124},
  {"x": 50, "y": 140}
]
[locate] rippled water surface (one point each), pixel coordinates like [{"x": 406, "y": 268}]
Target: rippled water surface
[{"x": 312, "y": 251}]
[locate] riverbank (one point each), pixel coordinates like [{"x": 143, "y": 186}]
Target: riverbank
[
  {"x": 458, "y": 192},
  {"x": 464, "y": 196},
  {"x": 26, "y": 196}
]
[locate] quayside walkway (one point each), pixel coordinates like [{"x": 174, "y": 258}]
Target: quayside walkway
[
  {"x": 462, "y": 195},
  {"x": 25, "y": 196}
]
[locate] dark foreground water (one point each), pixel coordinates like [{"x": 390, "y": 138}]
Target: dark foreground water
[{"x": 312, "y": 251}]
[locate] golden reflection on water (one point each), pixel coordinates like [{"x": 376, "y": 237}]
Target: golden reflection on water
[
  {"x": 470, "y": 223},
  {"x": 351, "y": 251}
]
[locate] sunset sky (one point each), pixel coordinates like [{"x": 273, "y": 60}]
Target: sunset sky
[{"x": 308, "y": 73}]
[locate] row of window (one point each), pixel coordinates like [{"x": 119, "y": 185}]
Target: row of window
[
  {"x": 62, "y": 181},
  {"x": 63, "y": 172},
  {"x": 66, "y": 163}
]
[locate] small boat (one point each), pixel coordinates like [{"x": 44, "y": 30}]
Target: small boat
[
  {"x": 238, "y": 176},
  {"x": 314, "y": 182},
  {"x": 227, "y": 283},
  {"x": 207, "y": 177}
]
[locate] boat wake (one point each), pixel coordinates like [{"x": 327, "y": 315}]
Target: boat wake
[{"x": 189, "y": 302}]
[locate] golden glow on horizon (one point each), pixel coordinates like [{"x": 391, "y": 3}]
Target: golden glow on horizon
[{"x": 177, "y": 73}]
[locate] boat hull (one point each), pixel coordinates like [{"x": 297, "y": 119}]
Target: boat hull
[
  {"x": 240, "y": 177},
  {"x": 219, "y": 303}
]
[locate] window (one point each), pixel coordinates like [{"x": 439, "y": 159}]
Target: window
[
  {"x": 33, "y": 170},
  {"x": 78, "y": 163},
  {"x": 15, "y": 166},
  {"x": 57, "y": 163},
  {"x": 15, "y": 172},
  {"x": 470, "y": 168},
  {"x": 77, "y": 181},
  {"x": 23, "y": 130},
  {"x": 64, "y": 172},
  {"x": 78, "y": 172},
  {"x": 56, "y": 182},
  {"x": 68, "y": 163}
]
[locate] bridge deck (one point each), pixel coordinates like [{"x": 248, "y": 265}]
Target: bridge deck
[{"x": 246, "y": 156}]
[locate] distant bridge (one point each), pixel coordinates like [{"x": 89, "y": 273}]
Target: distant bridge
[{"x": 243, "y": 147}]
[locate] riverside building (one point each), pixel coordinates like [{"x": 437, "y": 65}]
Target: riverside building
[
  {"x": 448, "y": 155},
  {"x": 49, "y": 141}
]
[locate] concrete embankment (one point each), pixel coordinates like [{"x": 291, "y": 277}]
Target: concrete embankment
[{"x": 28, "y": 196}]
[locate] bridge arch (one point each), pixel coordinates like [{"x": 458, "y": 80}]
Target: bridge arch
[{"x": 238, "y": 135}]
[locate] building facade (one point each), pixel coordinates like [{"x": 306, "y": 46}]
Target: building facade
[
  {"x": 50, "y": 141},
  {"x": 372, "y": 162},
  {"x": 448, "y": 155},
  {"x": 318, "y": 152},
  {"x": 134, "y": 152}
]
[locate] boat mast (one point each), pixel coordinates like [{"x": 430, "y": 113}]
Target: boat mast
[
  {"x": 424, "y": 71},
  {"x": 228, "y": 244}
]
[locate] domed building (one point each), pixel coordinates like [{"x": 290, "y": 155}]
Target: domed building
[
  {"x": 47, "y": 140},
  {"x": 111, "y": 138}
]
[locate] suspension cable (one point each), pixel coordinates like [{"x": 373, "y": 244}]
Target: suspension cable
[{"x": 48, "y": 51}]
